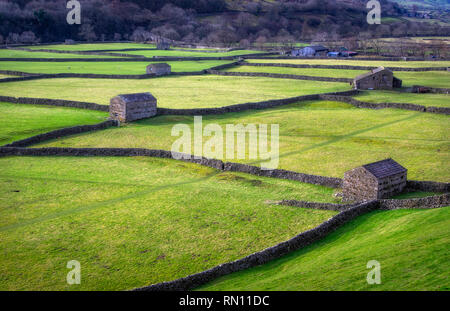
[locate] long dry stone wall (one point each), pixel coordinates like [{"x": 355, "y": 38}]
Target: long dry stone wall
[
  {"x": 418, "y": 203},
  {"x": 96, "y": 76},
  {"x": 17, "y": 149},
  {"x": 405, "y": 106},
  {"x": 347, "y": 67},
  {"x": 427, "y": 186},
  {"x": 316, "y": 205},
  {"x": 279, "y": 76},
  {"x": 387, "y": 59},
  {"x": 259, "y": 258},
  {"x": 53, "y": 102},
  {"x": 77, "y": 52},
  {"x": 61, "y": 133},
  {"x": 248, "y": 106}
]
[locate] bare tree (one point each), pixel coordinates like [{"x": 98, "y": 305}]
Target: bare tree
[{"x": 87, "y": 32}]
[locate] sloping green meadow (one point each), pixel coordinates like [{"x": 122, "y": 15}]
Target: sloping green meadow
[
  {"x": 176, "y": 53},
  {"x": 118, "y": 68},
  {"x": 428, "y": 78},
  {"x": 26, "y": 54},
  {"x": 172, "y": 92},
  {"x": 93, "y": 46},
  {"x": 315, "y": 72},
  {"x": 131, "y": 222},
  {"x": 410, "y": 245},
  {"x": 355, "y": 62},
  {"x": 436, "y": 100},
  {"x": 22, "y": 121},
  {"x": 324, "y": 138}
]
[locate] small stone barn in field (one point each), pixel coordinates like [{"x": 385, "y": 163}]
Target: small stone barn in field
[
  {"x": 379, "y": 180},
  {"x": 163, "y": 45},
  {"x": 159, "y": 69},
  {"x": 131, "y": 107},
  {"x": 377, "y": 79}
]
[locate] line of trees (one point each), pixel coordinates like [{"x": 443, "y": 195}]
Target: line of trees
[{"x": 200, "y": 21}]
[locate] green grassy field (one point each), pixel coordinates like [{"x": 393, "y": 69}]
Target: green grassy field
[
  {"x": 312, "y": 135},
  {"x": 132, "y": 222},
  {"x": 436, "y": 100},
  {"x": 136, "y": 221},
  {"x": 22, "y": 121},
  {"x": 93, "y": 46},
  {"x": 172, "y": 92},
  {"x": 428, "y": 78},
  {"x": 105, "y": 67},
  {"x": 410, "y": 245},
  {"x": 25, "y": 54},
  {"x": 440, "y": 79},
  {"x": 315, "y": 72},
  {"x": 375, "y": 63},
  {"x": 175, "y": 53}
]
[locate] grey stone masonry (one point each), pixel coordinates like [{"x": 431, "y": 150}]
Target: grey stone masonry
[
  {"x": 377, "y": 79},
  {"x": 379, "y": 180},
  {"x": 131, "y": 107},
  {"x": 159, "y": 69}
]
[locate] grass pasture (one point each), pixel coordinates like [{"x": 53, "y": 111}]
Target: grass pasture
[
  {"x": 355, "y": 62},
  {"x": 4, "y": 53},
  {"x": 136, "y": 221},
  {"x": 92, "y": 46},
  {"x": 121, "y": 68},
  {"x": 132, "y": 222},
  {"x": 176, "y": 53},
  {"x": 436, "y": 100},
  {"x": 410, "y": 245},
  {"x": 312, "y": 135},
  {"x": 315, "y": 72},
  {"x": 429, "y": 78},
  {"x": 22, "y": 121},
  {"x": 172, "y": 92}
]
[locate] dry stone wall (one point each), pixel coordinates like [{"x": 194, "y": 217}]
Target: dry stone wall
[
  {"x": 61, "y": 133},
  {"x": 259, "y": 258},
  {"x": 279, "y": 76},
  {"x": 53, "y": 102},
  {"x": 346, "y": 67},
  {"x": 405, "y": 106}
]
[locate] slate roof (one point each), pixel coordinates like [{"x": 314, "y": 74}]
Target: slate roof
[
  {"x": 138, "y": 97},
  {"x": 373, "y": 71},
  {"x": 384, "y": 168},
  {"x": 159, "y": 65}
]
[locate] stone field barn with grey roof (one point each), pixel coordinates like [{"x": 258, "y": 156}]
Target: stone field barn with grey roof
[
  {"x": 131, "y": 107},
  {"x": 377, "y": 79},
  {"x": 379, "y": 180}
]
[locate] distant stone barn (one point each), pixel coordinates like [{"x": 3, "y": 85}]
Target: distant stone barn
[
  {"x": 377, "y": 79},
  {"x": 379, "y": 180},
  {"x": 131, "y": 107},
  {"x": 163, "y": 45},
  {"x": 159, "y": 69}
]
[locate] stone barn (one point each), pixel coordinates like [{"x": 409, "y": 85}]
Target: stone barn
[
  {"x": 159, "y": 69},
  {"x": 131, "y": 107},
  {"x": 163, "y": 46},
  {"x": 379, "y": 180},
  {"x": 377, "y": 79}
]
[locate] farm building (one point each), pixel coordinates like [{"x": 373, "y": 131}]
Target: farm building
[
  {"x": 379, "y": 180},
  {"x": 377, "y": 79},
  {"x": 162, "y": 45},
  {"x": 313, "y": 50},
  {"x": 159, "y": 69},
  {"x": 131, "y": 107}
]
